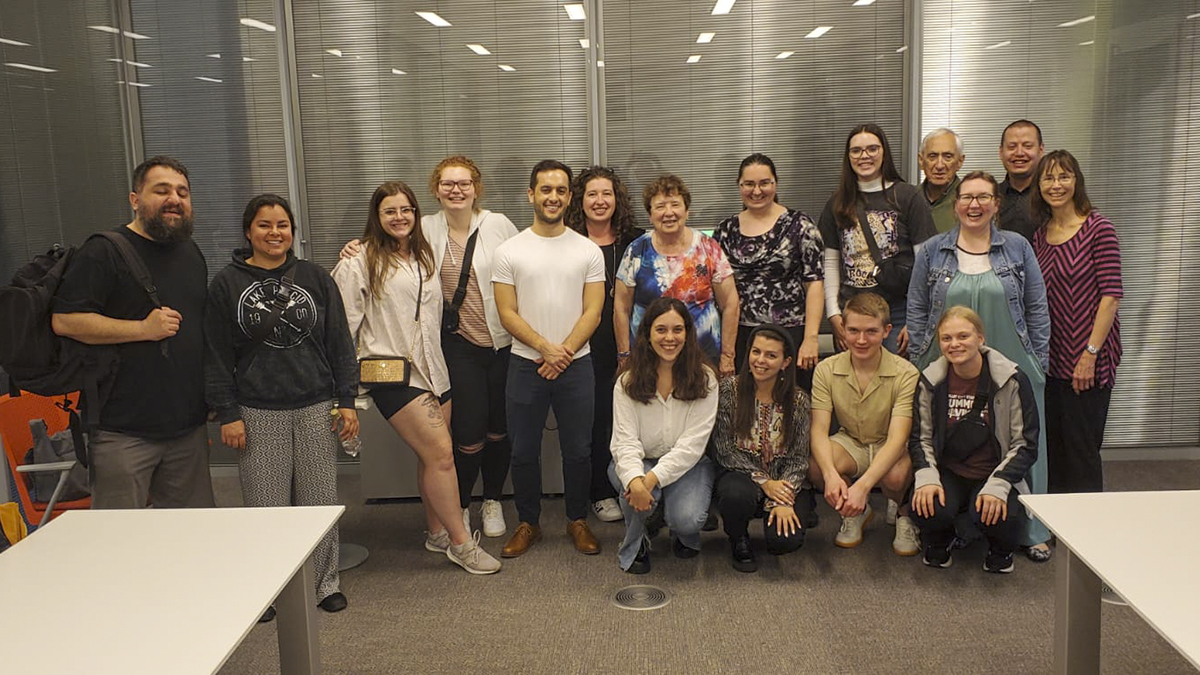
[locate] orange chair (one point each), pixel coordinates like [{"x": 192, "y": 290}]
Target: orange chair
[{"x": 15, "y": 414}]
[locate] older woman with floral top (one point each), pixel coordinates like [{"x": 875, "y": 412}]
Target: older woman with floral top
[{"x": 761, "y": 442}]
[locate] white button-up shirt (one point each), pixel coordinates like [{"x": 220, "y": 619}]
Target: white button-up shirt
[{"x": 672, "y": 431}]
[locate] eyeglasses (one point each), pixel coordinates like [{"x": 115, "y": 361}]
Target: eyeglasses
[
  {"x": 869, "y": 151},
  {"x": 1062, "y": 179},
  {"x": 403, "y": 210},
  {"x": 448, "y": 185},
  {"x": 761, "y": 185},
  {"x": 983, "y": 200}
]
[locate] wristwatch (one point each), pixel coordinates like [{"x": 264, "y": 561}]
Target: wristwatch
[{"x": 1092, "y": 350}]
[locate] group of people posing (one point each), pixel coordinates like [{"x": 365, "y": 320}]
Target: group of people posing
[{"x": 975, "y": 323}]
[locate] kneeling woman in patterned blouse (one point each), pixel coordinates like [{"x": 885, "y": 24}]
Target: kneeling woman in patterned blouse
[
  {"x": 664, "y": 404},
  {"x": 761, "y": 446}
]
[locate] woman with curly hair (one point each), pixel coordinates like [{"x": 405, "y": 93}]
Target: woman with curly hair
[
  {"x": 601, "y": 211},
  {"x": 664, "y": 405}
]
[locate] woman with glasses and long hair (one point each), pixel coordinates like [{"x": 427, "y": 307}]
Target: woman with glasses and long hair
[
  {"x": 1081, "y": 255},
  {"x": 760, "y": 443},
  {"x": 776, "y": 255},
  {"x": 393, "y": 301},
  {"x": 601, "y": 210},
  {"x": 872, "y": 199},
  {"x": 664, "y": 405},
  {"x": 996, "y": 274},
  {"x": 476, "y": 347}
]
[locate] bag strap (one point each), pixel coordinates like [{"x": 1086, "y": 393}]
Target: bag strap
[
  {"x": 137, "y": 267},
  {"x": 134, "y": 262},
  {"x": 460, "y": 293},
  {"x": 867, "y": 234}
]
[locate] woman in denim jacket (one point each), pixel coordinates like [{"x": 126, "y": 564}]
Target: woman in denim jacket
[{"x": 996, "y": 274}]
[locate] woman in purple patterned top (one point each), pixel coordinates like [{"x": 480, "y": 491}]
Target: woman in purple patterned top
[
  {"x": 776, "y": 255},
  {"x": 1080, "y": 257}
]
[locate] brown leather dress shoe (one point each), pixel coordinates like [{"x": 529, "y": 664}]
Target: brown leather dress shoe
[
  {"x": 521, "y": 540},
  {"x": 585, "y": 542}
]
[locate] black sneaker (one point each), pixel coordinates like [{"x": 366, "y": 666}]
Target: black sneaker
[
  {"x": 937, "y": 556},
  {"x": 742, "y": 555},
  {"x": 682, "y": 551},
  {"x": 998, "y": 563},
  {"x": 641, "y": 562},
  {"x": 333, "y": 603},
  {"x": 267, "y": 616}
]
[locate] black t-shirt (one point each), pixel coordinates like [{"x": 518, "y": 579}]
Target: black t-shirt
[
  {"x": 899, "y": 218},
  {"x": 153, "y": 397}
]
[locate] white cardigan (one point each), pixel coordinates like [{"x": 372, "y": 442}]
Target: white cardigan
[
  {"x": 385, "y": 327},
  {"x": 494, "y": 229},
  {"x": 672, "y": 431}
]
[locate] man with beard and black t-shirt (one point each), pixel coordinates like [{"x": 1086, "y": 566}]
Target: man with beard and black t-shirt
[{"x": 152, "y": 444}]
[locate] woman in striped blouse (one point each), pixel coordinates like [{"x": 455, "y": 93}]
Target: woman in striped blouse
[{"x": 1080, "y": 257}]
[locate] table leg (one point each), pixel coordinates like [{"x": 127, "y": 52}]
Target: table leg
[
  {"x": 299, "y": 645},
  {"x": 1076, "y": 615}
]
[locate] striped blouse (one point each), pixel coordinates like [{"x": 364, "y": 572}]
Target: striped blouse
[{"x": 1078, "y": 272}]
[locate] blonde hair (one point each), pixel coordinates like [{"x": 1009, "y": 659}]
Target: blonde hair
[{"x": 961, "y": 312}]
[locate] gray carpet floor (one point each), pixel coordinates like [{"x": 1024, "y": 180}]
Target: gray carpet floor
[{"x": 819, "y": 610}]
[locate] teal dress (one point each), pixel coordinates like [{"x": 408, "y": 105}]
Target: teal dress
[{"x": 984, "y": 293}]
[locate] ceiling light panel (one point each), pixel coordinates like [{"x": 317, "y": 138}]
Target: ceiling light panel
[
  {"x": 575, "y": 12},
  {"x": 479, "y": 49},
  {"x": 433, "y": 18},
  {"x": 723, "y": 7},
  {"x": 705, "y": 38},
  {"x": 818, "y": 32}
]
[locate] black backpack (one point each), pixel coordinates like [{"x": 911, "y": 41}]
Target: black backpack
[{"x": 39, "y": 361}]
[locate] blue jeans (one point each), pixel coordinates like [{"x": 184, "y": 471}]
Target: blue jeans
[
  {"x": 530, "y": 398},
  {"x": 685, "y": 508}
]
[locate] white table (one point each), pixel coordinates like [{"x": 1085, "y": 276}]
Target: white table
[
  {"x": 160, "y": 590},
  {"x": 1144, "y": 545}
]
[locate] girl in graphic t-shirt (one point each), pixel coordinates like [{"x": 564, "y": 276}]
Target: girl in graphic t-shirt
[
  {"x": 974, "y": 441},
  {"x": 898, "y": 219}
]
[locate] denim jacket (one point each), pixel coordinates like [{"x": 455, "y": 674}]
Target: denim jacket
[{"x": 1017, "y": 267}]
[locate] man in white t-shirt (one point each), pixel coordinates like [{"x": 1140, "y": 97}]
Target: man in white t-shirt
[{"x": 549, "y": 289}]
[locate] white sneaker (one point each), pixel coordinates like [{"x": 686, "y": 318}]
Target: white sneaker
[
  {"x": 467, "y": 520},
  {"x": 471, "y": 557},
  {"x": 906, "y": 542},
  {"x": 892, "y": 512},
  {"x": 493, "y": 519},
  {"x": 437, "y": 543},
  {"x": 608, "y": 510},
  {"x": 851, "y": 533}
]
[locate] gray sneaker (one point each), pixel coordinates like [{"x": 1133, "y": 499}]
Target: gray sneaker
[
  {"x": 437, "y": 543},
  {"x": 471, "y": 557},
  {"x": 851, "y": 533}
]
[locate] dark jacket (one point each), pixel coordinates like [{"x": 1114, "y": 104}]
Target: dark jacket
[
  {"x": 1011, "y": 409},
  {"x": 309, "y": 357}
]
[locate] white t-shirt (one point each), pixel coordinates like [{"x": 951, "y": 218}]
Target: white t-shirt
[{"x": 548, "y": 274}]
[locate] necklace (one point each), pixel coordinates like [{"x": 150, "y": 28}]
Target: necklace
[
  {"x": 610, "y": 271},
  {"x": 959, "y": 247}
]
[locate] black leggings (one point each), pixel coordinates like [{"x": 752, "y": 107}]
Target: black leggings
[
  {"x": 477, "y": 378},
  {"x": 938, "y": 530},
  {"x": 740, "y": 500}
]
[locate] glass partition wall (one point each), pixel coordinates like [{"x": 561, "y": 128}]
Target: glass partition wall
[{"x": 321, "y": 100}]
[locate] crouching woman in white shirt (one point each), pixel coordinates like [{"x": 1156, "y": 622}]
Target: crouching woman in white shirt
[{"x": 664, "y": 406}]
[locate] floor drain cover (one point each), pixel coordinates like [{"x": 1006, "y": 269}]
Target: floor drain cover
[{"x": 641, "y": 598}]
